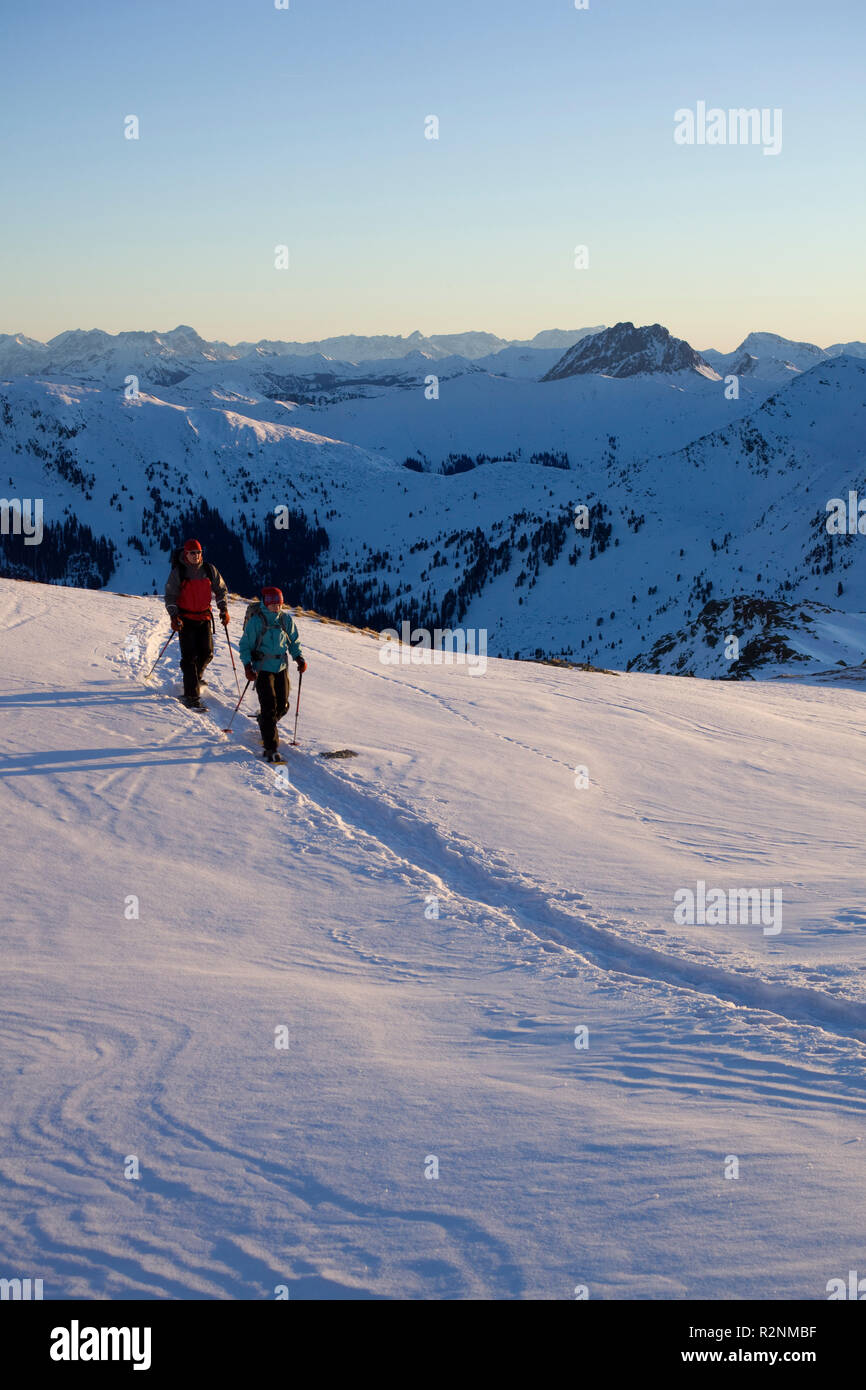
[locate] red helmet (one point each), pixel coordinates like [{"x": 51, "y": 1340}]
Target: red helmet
[
  {"x": 192, "y": 545},
  {"x": 271, "y": 595}
]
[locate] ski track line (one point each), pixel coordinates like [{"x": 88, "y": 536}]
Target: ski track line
[
  {"x": 665, "y": 827},
  {"x": 425, "y": 849},
  {"x": 459, "y": 714},
  {"x": 623, "y": 807},
  {"x": 418, "y": 843}
]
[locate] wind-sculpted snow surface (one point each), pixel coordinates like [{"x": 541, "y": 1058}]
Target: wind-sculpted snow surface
[{"x": 423, "y": 1023}]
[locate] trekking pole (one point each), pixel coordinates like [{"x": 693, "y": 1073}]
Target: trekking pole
[
  {"x": 237, "y": 707},
  {"x": 232, "y": 655},
  {"x": 159, "y": 658},
  {"x": 297, "y": 709}
]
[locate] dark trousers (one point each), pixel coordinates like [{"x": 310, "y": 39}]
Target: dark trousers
[
  {"x": 272, "y": 688},
  {"x": 196, "y": 652}
]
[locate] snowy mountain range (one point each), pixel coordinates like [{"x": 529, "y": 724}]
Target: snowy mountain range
[
  {"x": 96, "y": 351},
  {"x": 446, "y": 489}
]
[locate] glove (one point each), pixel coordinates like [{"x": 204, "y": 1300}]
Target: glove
[
  {"x": 249, "y": 673},
  {"x": 302, "y": 665},
  {"x": 224, "y": 617},
  {"x": 177, "y": 623}
]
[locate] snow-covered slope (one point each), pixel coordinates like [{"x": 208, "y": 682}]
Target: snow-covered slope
[
  {"x": 853, "y": 349},
  {"x": 739, "y": 510},
  {"x": 769, "y": 357},
  {"x": 693, "y": 496},
  {"x": 432, "y": 922},
  {"x": 488, "y": 413},
  {"x": 526, "y": 362},
  {"x": 800, "y": 355},
  {"x": 749, "y": 636}
]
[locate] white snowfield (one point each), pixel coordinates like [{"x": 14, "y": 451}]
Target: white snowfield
[{"x": 431, "y": 1129}]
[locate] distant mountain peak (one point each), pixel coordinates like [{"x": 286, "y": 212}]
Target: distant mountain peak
[
  {"x": 773, "y": 345},
  {"x": 625, "y": 350}
]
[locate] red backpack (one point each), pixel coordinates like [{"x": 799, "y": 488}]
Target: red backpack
[{"x": 194, "y": 597}]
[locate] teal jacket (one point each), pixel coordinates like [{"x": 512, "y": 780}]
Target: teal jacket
[{"x": 269, "y": 639}]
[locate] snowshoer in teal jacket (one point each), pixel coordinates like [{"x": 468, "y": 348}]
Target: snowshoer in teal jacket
[{"x": 269, "y": 638}]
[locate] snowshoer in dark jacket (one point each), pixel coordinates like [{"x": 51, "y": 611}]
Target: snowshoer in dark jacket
[
  {"x": 188, "y": 592},
  {"x": 269, "y": 638}
]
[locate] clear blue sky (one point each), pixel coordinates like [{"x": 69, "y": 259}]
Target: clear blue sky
[{"x": 306, "y": 127}]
